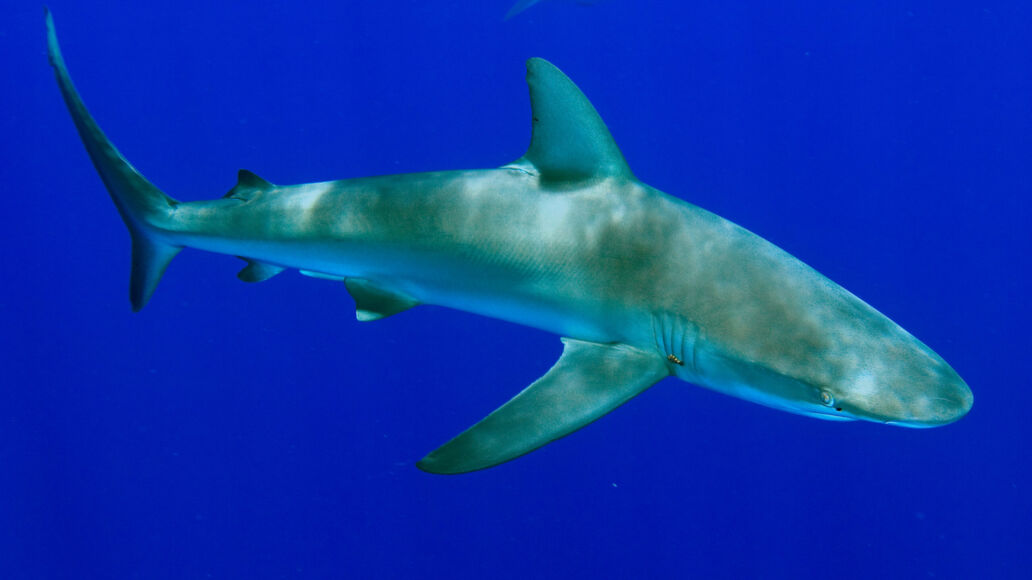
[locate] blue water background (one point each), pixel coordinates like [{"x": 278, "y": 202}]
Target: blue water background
[{"x": 259, "y": 431}]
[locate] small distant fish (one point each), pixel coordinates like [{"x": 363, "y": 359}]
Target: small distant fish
[{"x": 524, "y": 4}]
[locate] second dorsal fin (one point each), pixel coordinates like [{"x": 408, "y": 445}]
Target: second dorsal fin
[
  {"x": 569, "y": 140},
  {"x": 247, "y": 185}
]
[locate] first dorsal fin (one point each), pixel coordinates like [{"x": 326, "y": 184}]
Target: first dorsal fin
[
  {"x": 247, "y": 184},
  {"x": 569, "y": 140}
]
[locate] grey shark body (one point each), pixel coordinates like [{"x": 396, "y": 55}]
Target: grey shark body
[{"x": 641, "y": 285}]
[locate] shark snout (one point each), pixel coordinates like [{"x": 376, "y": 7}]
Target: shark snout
[
  {"x": 938, "y": 397},
  {"x": 940, "y": 404},
  {"x": 910, "y": 386}
]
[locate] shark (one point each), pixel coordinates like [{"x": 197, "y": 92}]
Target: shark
[
  {"x": 640, "y": 285},
  {"x": 522, "y": 5},
  {"x": 519, "y": 7}
]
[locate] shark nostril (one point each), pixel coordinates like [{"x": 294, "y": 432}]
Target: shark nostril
[{"x": 954, "y": 407}]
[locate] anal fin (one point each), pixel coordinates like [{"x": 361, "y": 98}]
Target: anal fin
[
  {"x": 588, "y": 381},
  {"x": 258, "y": 271}
]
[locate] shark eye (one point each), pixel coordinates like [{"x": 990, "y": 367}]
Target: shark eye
[{"x": 827, "y": 398}]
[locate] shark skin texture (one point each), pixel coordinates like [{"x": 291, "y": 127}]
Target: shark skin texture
[{"x": 640, "y": 285}]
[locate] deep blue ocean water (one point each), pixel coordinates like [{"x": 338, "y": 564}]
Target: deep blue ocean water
[{"x": 258, "y": 431}]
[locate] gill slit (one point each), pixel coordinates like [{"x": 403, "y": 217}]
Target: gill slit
[{"x": 676, "y": 340}]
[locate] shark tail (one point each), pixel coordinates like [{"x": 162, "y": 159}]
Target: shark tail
[{"x": 145, "y": 209}]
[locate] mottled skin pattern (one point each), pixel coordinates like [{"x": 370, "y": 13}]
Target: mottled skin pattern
[
  {"x": 610, "y": 261},
  {"x": 566, "y": 239}
]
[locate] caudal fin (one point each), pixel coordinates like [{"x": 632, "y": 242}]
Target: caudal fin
[{"x": 144, "y": 208}]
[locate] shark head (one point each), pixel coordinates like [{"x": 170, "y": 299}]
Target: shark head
[
  {"x": 843, "y": 368},
  {"x": 904, "y": 384}
]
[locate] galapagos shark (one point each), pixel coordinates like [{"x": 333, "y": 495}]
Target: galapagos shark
[
  {"x": 640, "y": 285},
  {"x": 522, "y": 5}
]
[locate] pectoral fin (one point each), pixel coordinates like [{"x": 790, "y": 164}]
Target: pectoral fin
[{"x": 589, "y": 381}]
